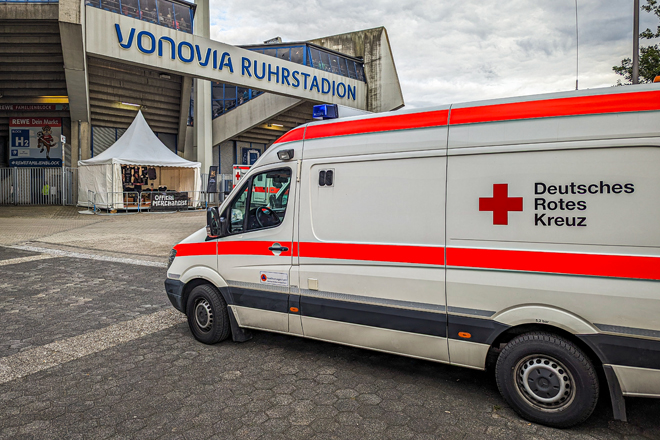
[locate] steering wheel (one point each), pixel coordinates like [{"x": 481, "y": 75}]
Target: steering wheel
[{"x": 269, "y": 214}]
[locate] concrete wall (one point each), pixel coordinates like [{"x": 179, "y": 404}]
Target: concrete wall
[
  {"x": 32, "y": 11},
  {"x": 373, "y": 45}
]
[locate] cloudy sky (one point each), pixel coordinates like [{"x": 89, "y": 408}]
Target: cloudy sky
[{"x": 453, "y": 51}]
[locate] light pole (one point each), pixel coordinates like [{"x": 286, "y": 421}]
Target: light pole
[
  {"x": 577, "y": 46},
  {"x": 635, "y": 66}
]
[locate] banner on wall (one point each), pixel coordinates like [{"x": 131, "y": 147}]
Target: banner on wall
[
  {"x": 34, "y": 107},
  {"x": 212, "y": 186},
  {"x": 35, "y": 142},
  {"x": 250, "y": 155},
  {"x": 169, "y": 201}
]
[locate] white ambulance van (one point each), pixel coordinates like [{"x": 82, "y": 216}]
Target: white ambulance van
[{"x": 519, "y": 234}]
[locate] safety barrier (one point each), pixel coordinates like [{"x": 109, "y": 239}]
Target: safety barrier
[
  {"x": 59, "y": 186},
  {"x": 37, "y": 186},
  {"x": 148, "y": 201},
  {"x": 6, "y": 187}
]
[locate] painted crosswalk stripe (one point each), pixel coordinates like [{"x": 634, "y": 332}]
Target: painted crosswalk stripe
[
  {"x": 56, "y": 353},
  {"x": 61, "y": 253},
  {"x": 26, "y": 259}
]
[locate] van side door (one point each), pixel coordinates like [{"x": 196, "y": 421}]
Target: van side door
[{"x": 255, "y": 255}]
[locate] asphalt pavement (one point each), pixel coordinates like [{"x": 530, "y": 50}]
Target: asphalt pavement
[{"x": 91, "y": 348}]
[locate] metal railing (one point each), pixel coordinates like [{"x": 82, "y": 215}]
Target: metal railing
[
  {"x": 38, "y": 186},
  {"x": 29, "y": 1},
  {"x": 6, "y": 186},
  {"x": 172, "y": 14},
  {"x": 219, "y": 197},
  {"x": 70, "y": 186},
  {"x": 59, "y": 186},
  {"x": 147, "y": 201}
]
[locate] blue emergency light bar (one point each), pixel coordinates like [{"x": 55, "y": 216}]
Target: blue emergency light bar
[{"x": 326, "y": 111}]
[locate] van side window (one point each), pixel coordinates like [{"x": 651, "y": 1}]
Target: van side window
[{"x": 269, "y": 197}]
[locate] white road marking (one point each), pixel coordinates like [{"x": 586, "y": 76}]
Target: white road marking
[
  {"x": 25, "y": 259},
  {"x": 60, "y": 253},
  {"x": 56, "y": 353}
]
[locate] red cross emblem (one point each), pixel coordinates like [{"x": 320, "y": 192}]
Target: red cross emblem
[
  {"x": 238, "y": 175},
  {"x": 500, "y": 204}
]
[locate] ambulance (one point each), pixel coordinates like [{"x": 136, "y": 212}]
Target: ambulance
[{"x": 520, "y": 235}]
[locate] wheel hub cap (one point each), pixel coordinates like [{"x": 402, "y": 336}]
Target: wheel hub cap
[
  {"x": 544, "y": 382},
  {"x": 204, "y": 315}
]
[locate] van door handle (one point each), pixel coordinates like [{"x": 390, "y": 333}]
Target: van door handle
[{"x": 276, "y": 247}]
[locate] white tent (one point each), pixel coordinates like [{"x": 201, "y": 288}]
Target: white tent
[{"x": 138, "y": 146}]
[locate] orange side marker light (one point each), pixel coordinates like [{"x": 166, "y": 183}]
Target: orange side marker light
[
  {"x": 465, "y": 335},
  {"x": 656, "y": 79},
  {"x": 294, "y": 309}
]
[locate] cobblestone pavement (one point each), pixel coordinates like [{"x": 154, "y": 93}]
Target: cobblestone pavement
[
  {"x": 56, "y": 298},
  {"x": 7, "y": 253},
  {"x": 92, "y": 349}
]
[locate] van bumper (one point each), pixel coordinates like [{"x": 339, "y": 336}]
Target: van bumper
[{"x": 174, "y": 289}]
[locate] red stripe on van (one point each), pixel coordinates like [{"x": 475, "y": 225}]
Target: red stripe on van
[
  {"x": 291, "y": 136},
  {"x": 195, "y": 249},
  {"x": 251, "y": 248},
  {"x": 619, "y": 266},
  {"x": 229, "y": 248},
  {"x": 374, "y": 252},
  {"x": 374, "y": 125},
  {"x": 581, "y": 105}
]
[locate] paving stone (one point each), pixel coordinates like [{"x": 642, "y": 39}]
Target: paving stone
[
  {"x": 166, "y": 385},
  {"x": 9, "y": 253},
  {"x": 67, "y": 293}
]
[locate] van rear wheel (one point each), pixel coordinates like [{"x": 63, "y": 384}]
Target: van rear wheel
[
  {"x": 547, "y": 379},
  {"x": 207, "y": 315}
]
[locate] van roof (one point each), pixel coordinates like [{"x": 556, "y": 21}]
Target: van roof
[{"x": 583, "y": 102}]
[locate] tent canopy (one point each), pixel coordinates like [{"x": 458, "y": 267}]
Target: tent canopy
[
  {"x": 140, "y": 146},
  {"x": 100, "y": 178}
]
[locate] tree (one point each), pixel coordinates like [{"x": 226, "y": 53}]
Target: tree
[{"x": 649, "y": 56}]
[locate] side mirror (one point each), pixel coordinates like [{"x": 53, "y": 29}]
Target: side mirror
[{"x": 213, "y": 223}]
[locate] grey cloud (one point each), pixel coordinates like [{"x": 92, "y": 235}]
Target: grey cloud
[{"x": 450, "y": 51}]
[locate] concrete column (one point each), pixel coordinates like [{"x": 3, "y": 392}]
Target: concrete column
[
  {"x": 186, "y": 86},
  {"x": 86, "y": 151},
  {"x": 72, "y": 34},
  {"x": 85, "y": 141},
  {"x": 203, "y": 121}
]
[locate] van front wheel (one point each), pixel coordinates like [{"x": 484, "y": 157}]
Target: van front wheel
[
  {"x": 547, "y": 379},
  {"x": 207, "y": 315}
]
